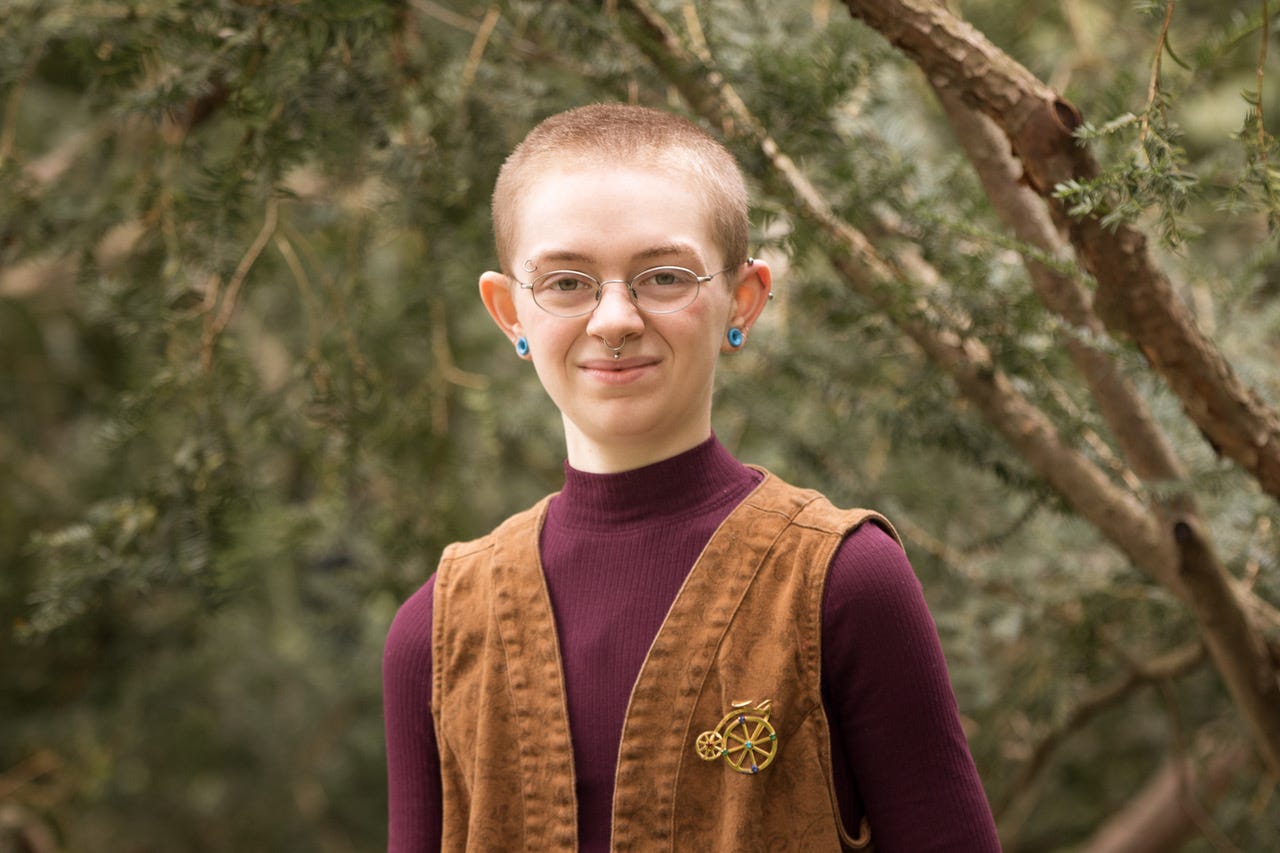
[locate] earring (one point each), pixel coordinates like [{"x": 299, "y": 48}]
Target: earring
[
  {"x": 736, "y": 338},
  {"x": 522, "y": 346}
]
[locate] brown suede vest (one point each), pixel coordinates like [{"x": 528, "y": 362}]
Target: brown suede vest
[{"x": 737, "y": 662}]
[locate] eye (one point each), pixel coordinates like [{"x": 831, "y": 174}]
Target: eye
[
  {"x": 665, "y": 277},
  {"x": 564, "y": 282}
]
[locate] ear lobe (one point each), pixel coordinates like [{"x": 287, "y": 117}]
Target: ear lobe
[{"x": 495, "y": 293}]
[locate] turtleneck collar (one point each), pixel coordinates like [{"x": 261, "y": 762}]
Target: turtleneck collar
[{"x": 674, "y": 488}]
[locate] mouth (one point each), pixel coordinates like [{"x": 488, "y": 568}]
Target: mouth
[
  {"x": 621, "y": 370},
  {"x": 618, "y": 364}
]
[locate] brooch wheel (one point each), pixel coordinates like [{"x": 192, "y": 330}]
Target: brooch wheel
[{"x": 744, "y": 738}]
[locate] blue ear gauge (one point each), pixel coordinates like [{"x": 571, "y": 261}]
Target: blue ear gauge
[
  {"x": 735, "y": 337},
  {"x": 522, "y": 346}
]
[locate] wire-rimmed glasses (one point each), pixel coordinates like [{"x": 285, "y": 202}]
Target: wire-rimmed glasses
[{"x": 660, "y": 290}]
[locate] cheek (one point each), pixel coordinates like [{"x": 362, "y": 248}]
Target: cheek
[
  {"x": 534, "y": 326},
  {"x": 550, "y": 343},
  {"x": 699, "y": 346},
  {"x": 714, "y": 322},
  {"x": 526, "y": 314}
]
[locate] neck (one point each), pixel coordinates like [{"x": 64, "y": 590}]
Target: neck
[
  {"x": 612, "y": 457},
  {"x": 682, "y": 485}
]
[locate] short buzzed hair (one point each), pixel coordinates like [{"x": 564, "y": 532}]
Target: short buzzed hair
[{"x": 620, "y": 133}]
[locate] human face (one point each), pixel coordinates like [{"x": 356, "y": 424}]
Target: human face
[{"x": 654, "y": 401}]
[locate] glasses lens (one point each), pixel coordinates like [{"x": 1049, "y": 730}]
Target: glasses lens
[
  {"x": 663, "y": 290},
  {"x": 565, "y": 293}
]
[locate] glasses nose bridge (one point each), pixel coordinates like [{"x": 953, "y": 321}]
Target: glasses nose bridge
[{"x": 631, "y": 291}]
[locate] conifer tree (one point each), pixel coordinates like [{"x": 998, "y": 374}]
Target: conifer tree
[{"x": 1027, "y": 305}]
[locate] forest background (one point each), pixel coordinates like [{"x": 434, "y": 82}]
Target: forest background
[{"x": 1028, "y": 305}]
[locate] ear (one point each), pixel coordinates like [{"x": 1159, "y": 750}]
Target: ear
[
  {"x": 495, "y": 293},
  {"x": 750, "y": 295}
]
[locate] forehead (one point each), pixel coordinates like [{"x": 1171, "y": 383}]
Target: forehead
[{"x": 605, "y": 213}]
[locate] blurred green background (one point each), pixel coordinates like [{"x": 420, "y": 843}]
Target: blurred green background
[{"x": 248, "y": 391}]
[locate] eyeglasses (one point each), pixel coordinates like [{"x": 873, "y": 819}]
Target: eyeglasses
[{"x": 661, "y": 290}]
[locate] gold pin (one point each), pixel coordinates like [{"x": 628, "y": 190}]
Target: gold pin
[{"x": 744, "y": 738}]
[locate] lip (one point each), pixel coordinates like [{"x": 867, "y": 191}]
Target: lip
[{"x": 619, "y": 372}]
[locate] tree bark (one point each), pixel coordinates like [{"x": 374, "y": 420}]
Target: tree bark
[
  {"x": 1134, "y": 299},
  {"x": 1142, "y": 443}
]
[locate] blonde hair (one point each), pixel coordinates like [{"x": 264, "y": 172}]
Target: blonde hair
[{"x": 602, "y": 134}]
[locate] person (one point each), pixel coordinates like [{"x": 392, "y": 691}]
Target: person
[{"x": 677, "y": 651}]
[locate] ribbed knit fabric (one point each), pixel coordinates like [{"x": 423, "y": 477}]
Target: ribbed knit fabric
[{"x": 616, "y": 549}]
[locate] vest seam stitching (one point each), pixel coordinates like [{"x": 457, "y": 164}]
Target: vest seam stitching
[
  {"x": 849, "y": 521},
  {"x": 527, "y": 523},
  {"x": 524, "y": 783}
]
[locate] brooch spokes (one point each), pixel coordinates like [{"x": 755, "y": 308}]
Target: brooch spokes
[{"x": 745, "y": 738}]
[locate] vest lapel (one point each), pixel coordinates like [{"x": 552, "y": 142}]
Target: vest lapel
[
  {"x": 655, "y": 736},
  {"x": 539, "y": 739}
]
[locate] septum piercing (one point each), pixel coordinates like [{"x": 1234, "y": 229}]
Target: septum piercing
[{"x": 617, "y": 351}]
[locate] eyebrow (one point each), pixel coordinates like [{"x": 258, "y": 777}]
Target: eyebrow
[
  {"x": 665, "y": 250},
  {"x": 661, "y": 251}
]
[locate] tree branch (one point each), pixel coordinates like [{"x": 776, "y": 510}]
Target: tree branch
[
  {"x": 1134, "y": 299},
  {"x": 217, "y": 320},
  {"x": 1230, "y": 635},
  {"x": 1169, "y": 811},
  {"x": 1142, "y": 442},
  {"x": 1173, "y": 664}
]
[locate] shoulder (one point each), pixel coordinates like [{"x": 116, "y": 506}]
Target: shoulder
[
  {"x": 811, "y": 509},
  {"x": 413, "y": 620},
  {"x": 870, "y": 555},
  {"x": 872, "y": 589},
  {"x": 524, "y": 521},
  {"x": 409, "y": 637},
  {"x": 474, "y": 554}
]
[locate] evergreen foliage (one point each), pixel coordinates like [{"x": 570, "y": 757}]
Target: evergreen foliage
[{"x": 247, "y": 391}]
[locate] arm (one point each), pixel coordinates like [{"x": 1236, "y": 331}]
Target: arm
[
  {"x": 894, "y": 719},
  {"x": 413, "y": 761}
]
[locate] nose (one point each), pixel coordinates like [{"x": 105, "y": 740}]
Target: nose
[{"x": 616, "y": 314}]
